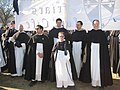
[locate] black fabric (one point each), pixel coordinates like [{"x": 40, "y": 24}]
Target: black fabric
[
  {"x": 18, "y": 44},
  {"x": 30, "y": 57},
  {"x": 80, "y": 36},
  {"x": 54, "y": 34},
  {"x": 10, "y": 33},
  {"x": 20, "y": 37},
  {"x": 11, "y": 61},
  {"x": 98, "y": 36},
  {"x": 9, "y": 49},
  {"x": 15, "y": 6},
  {"x": 114, "y": 50},
  {"x": 61, "y": 46}
]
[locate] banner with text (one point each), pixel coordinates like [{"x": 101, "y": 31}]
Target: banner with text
[{"x": 45, "y": 12}]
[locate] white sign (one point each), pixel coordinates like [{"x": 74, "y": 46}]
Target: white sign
[{"x": 45, "y": 12}]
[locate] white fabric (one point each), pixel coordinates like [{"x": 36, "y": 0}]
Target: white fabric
[
  {"x": 39, "y": 49},
  {"x": 55, "y": 40},
  {"x": 63, "y": 70},
  {"x": 77, "y": 56},
  {"x": 2, "y": 61},
  {"x": 19, "y": 57},
  {"x": 11, "y": 39},
  {"x": 95, "y": 65}
]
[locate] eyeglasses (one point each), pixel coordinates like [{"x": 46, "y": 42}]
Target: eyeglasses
[{"x": 61, "y": 36}]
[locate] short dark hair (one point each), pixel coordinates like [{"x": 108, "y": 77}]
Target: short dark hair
[
  {"x": 58, "y": 19},
  {"x": 12, "y": 22},
  {"x": 40, "y": 26},
  {"x": 95, "y": 20},
  {"x": 61, "y": 33},
  {"x": 80, "y": 22}
]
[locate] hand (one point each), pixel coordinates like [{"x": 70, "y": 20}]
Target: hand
[
  {"x": 18, "y": 44},
  {"x": 40, "y": 55}
]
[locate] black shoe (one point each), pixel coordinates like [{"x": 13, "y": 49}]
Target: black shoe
[
  {"x": 32, "y": 83},
  {"x": 101, "y": 88}
]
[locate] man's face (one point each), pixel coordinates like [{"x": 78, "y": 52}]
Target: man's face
[
  {"x": 21, "y": 28},
  {"x": 38, "y": 30},
  {"x": 59, "y": 23},
  {"x": 61, "y": 36},
  {"x": 96, "y": 24},
  {"x": 12, "y": 25},
  {"x": 78, "y": 25}
]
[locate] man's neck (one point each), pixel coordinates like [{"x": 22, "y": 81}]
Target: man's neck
[
  {"x": 59, "y": 27},
  {"x": 40, "y": 33},
  {"x": 79, "y": 29}
]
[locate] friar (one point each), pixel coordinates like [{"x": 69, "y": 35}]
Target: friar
[
  {"x": 37, "y": 57},
  {"x": 78, "y": 45},
  {"x": 19, "y": 41},
  {"x": 53, "y": 33},
  {"x": 8, "y": 46},
  {"x": 61, "y": 63},
  {"x": 96, "y": 67}
]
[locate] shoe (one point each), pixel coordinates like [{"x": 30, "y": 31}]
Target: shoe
[
  {"x": 101, "y": 88},
  {"x": 58, "y": 87},
  {"x": 65, "y": 86},
  {"x": 32, "y": 83},
  {"x": 14, "y": 75}
]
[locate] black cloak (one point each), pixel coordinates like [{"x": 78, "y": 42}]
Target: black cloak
[
  {"x": 61, "y": 46},
  {"x": 53, "y": 33},
  {"x": 30, "y": 58},
  {"x": 80, "y": 36},
  {"x": 97, "y": 36},
  {"x": 19, "y": 37}
]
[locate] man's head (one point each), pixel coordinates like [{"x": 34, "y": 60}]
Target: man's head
[
  {"x": 79, "y": 24},
  {"x": 12, "y": 24},
  {"x": 95, "y": 24},
  {"x": 21, "y": 27},
  {"x": 59, "y": 22},
  {"x": 61, "y": 36},
  {"x": 46, "y": 32},
  {"x": 2, "y": 28},
  {"x": 39, "y": 29}
]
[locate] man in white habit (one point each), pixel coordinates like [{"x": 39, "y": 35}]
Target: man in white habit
[
  {"x": 20, "y": 40},
  {"x": 61, "y": 59},
  {"x": 37, "y": 57},
  {"x": 78, "y": 45}
]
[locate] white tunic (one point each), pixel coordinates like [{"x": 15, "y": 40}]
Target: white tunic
[
  {"x": 63, "y": 70},
  {"x": 56, "y": 40},
  {"x": 39, "y": 49},
  {"x": 77, "y": 56},
  {"x": 19, "y": 57},
  {"x": 2, "y": 61},
  {"x": 95, "y": 64}
]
